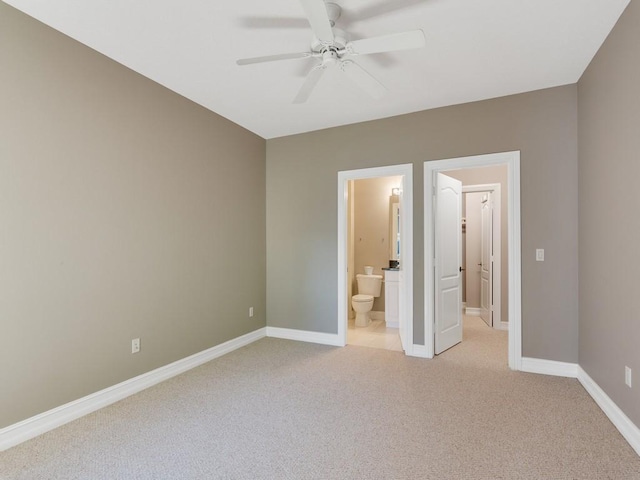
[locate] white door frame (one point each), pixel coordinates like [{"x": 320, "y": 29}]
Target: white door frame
[
  {"x": 512, "y": 160},
  {"x": 494, "y": 188},
  {"x": 406, "y": 246}
]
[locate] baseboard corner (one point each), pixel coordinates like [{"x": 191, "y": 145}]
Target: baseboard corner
[
  {"x": 549, "y": 367},
  {"x": 419, "y": 351},
  {"x": 305, "y": 336},
  {"x": 625, "y": 426}
]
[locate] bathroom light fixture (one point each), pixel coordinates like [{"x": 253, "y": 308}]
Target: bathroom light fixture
[{"x": 395, "y": 191}]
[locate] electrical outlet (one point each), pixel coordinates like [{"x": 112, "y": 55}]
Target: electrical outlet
[
  {"x": 135, "y": 345},
  {"x": 627, "y": 376},
  {"x": 251, "y": 311}
]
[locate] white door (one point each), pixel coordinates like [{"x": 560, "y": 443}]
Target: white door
[
  {"x": 448, "y": 263},
  {"x": 486, "y": 267}
]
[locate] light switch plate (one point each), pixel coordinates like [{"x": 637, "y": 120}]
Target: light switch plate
[{"x": 540, "y": 255}]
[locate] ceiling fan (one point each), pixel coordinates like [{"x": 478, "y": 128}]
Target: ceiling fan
[{"x": 332, "y": 47}]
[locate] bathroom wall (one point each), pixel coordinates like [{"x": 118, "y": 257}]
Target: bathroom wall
[
  {"x": 127, "y": 211},
  {"x": 372, "y": 203},
  {"x": 351, "y": 263},
  {"x": 481, "y": 176}
]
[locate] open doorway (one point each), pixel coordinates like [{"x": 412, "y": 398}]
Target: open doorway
[
  {"x": 444, "y": 264},
  {"x": 484, "y": 243},
  {"x": 373, "y": 257},
  {"x": 402, "y": 196}
]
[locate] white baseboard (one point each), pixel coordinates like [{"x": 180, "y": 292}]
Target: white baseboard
[
  {"x": 392, "y": 324},
  {"x": 625, "y": 426},
  {"x": 305, "y": 336},
  {"x": 419, "y": 351},
  {"x": 39, "y": 424},
  {"x": 501, "y": 326},
  {"x": 472, "y": 311},
  {"x": 549, "y": 367}
]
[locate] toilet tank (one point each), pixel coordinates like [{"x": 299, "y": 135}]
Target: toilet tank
[{"x": 369, "y": 284}]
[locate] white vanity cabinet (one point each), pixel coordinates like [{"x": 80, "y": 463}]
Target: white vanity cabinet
[{"x": 392, "y": 298}]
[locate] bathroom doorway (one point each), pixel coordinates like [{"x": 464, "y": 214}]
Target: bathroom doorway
[
  {"x": 373, "y": 251},
  {"x": 378, "y": 239},
  {"x": 443, "y": 309}
]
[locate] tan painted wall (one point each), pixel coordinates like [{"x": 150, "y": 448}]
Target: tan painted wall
[
  {"x": 126, "y": 211},
  {"x": 371, "y": 239},
  {"x": 609, "y": 169},
  {"x": 302, "y": 234}
]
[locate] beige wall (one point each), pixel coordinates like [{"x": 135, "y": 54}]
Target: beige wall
[
  {"x": 481, "y": 176},
  {"x": 372, "y": 217},
  {"x": 127, "y": 211},
  {"x": 609, "y": 169},
  {"x": 302, "y": 173}
]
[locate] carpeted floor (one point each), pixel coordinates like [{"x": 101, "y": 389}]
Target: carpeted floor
[{"x": 279, "y": 409}]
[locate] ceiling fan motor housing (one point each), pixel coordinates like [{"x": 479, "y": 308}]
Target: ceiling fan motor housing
[{"x": 340, "y": 40}]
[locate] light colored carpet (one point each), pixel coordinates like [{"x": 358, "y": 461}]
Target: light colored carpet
[{"x": 279, "y": 409}]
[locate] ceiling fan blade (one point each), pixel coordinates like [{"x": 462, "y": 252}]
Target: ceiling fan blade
[
  {"x": 316, "y": 11},
  {"x": 273, "y": 58},
  {"x": 387, "y": 43},
  {"x": 363, "y": 79},
  {"x": 310, "y": 83},
  {"x": 273, "y": 22}
]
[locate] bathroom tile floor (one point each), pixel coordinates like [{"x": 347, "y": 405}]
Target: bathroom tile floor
[{"x": 375, "y": 335}]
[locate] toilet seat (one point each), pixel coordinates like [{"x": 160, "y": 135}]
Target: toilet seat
[{"x": 362, "y": 298}]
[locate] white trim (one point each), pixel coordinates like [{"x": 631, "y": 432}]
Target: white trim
[
  {"x": 549, "y": 367},
  {"x": 406, "y": 237},
  {"x": 502, "y": 326},
  {"x": 472, "y": 311},
  {"x": 42, "y": 423},
  {"x": 419, "y": 351},
  {"x": 305, "y": 336},
  {"x": 512, "y": 160},
  {"x": 484, "y": 187},
  {"x": 625, "y": 426}
]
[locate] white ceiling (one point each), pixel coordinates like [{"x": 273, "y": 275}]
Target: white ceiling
[{"x": 475, "y": 50}]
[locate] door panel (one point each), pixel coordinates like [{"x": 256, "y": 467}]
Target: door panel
[{"x": 448, "y": 255}]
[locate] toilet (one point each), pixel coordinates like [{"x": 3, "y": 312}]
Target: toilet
[{"x": 369, "y": 287}]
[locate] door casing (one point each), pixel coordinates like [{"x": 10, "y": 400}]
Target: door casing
[
  {"x": 512, "y": 160},
  {"x": 406, "y": 246}
]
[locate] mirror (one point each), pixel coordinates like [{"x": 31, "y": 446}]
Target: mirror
[{"x": 394, "y": 223}]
